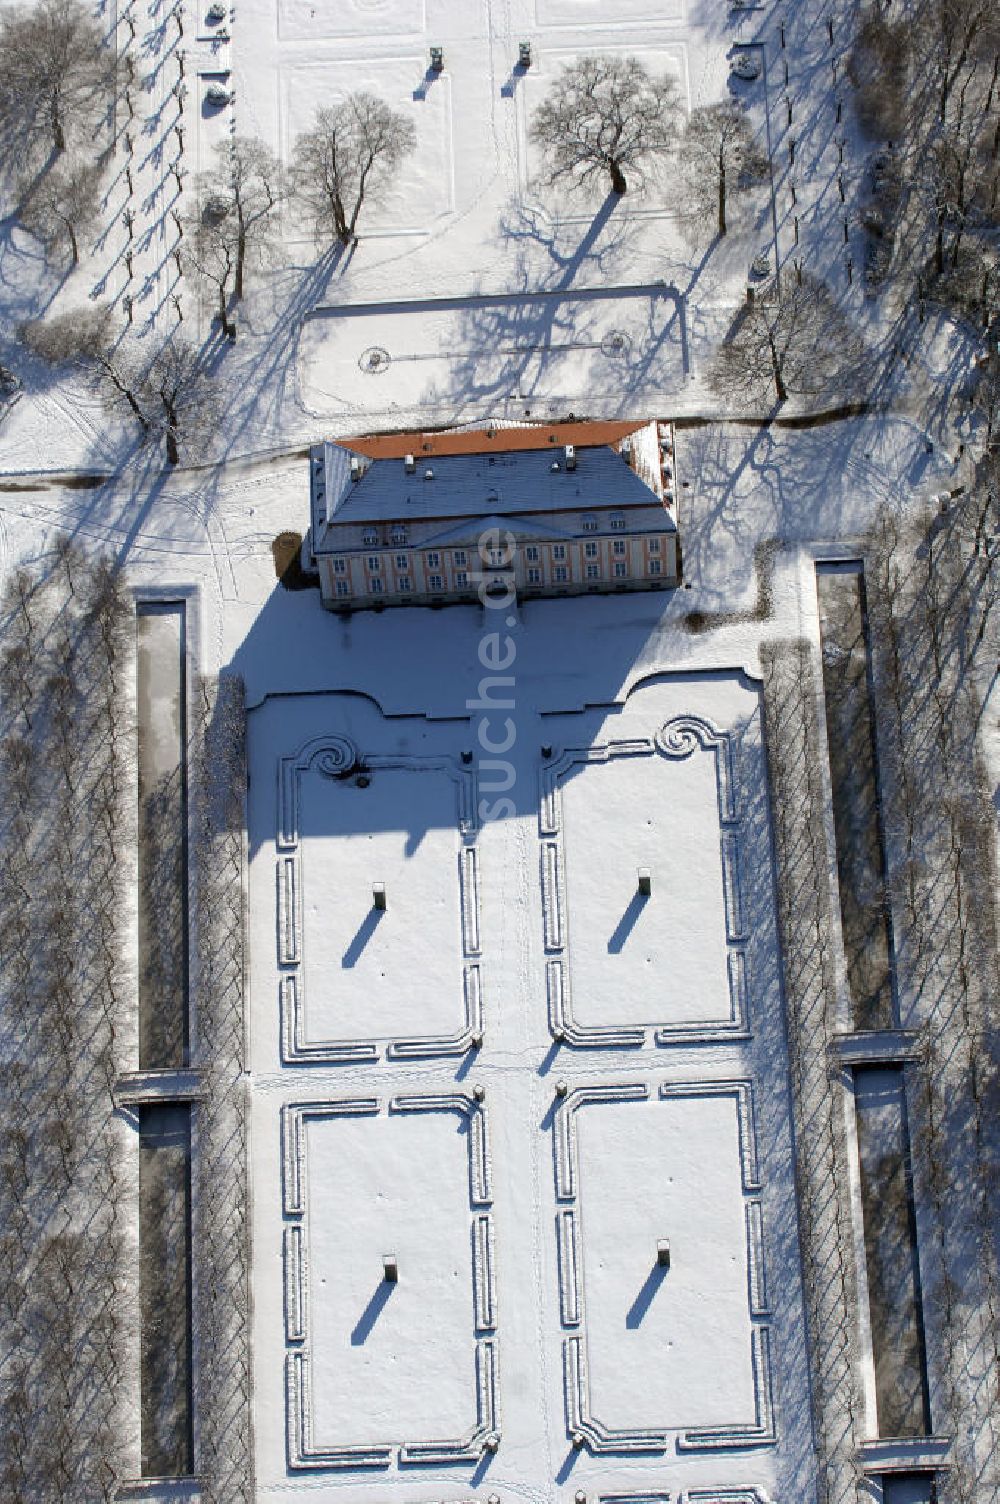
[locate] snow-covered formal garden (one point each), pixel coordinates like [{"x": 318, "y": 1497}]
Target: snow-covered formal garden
[{"x": 539, "y": 1050}]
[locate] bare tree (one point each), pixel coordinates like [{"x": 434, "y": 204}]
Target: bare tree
[
  {"x": 792, "y": 341},
  {"x": 987, "y": 184},
  {"x": 57, "y": 76},
  {"x": 606, "y": 115},
  {"x": 84, "y": 337},
  {"x": 720, "y": 156},
  {"x": 986, "y": 392},
  {"x": 165, "y": 388},
  {"x": 62, "y": 205},
  {"x": 878, "y": 68},
  {"x": 210, "y": 253},
  {"x": 943, "y": 172},
  {"x": 954, "y": 39},
  {"x": 9, "y": 387},
  {"x": 256, "y": 189},
  {"x": 180, "y": 397},
  {"x": 349, "y": 155},
  {"x": 927, "y": 79},
  {"x": 234, "y": 226}
]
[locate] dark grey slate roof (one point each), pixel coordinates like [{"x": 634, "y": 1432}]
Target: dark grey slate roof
[{"x": 473, "y": 485}]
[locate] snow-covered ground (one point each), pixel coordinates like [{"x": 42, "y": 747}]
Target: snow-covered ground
[
  {"x": 529, "y": 1303},
  {"x": 684, "y": 1136},
  {"x": 489, "y": 292}
]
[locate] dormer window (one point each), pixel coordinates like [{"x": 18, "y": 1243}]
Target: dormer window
[
  {"x": 617, "y": 522},
  {"x": 590, "y": 524},
  {"x": 398, "y": 537},
  {"x": 369, "y": 537}
]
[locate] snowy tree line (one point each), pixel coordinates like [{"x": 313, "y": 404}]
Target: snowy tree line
[
  {"x": 221, "y": 1248},
  {"x": 65, "y": 1296},
  {"x": 933, "y": 596},
  {"x": 69, "y": 1309},
  {"x": 932, "y": 590},
  {"x": 926, "y": 75},
  {"x": 59, "y": 82},
  {"x": 825, "y": 1225}
]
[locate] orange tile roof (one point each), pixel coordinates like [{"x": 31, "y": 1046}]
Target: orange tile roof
[{"x": 390, "y": 446}]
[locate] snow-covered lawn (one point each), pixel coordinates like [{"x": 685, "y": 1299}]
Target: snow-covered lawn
[
  {"x": 523, "y": 1186},
  {"x": 389, "y": 1363},
  {"x": 523, "y": 1179},
  {"x": 485, "y": 354}
]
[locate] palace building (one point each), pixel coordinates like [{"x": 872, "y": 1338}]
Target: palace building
[{"x": 568, "y": 508}]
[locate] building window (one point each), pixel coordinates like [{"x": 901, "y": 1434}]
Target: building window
[
  {"x": 531, "y": 554},
  {"x": 436, "y": 582},
  {"x": 590, "y": 550},
  {"x": 432, "y": 560},
  {"x": 590, "y": 524},
  {"x": 340, "y": 566},
  {"x": 405, "y": 583},
  {"x": 558, "y": 550},
  {"x": 374, "y": 563},
  {"x": 398, "y": 536},
  {"x": 654, "y": 566},
  {"x": 534, "y": 576},
  {"x": 619, "y": 546},
  {"x": 402, "y": 561},
  {"x": 375, "y": 586},
  {"x": 560, "y": 574},
  {"x": 343, "y": 588},
  {"x": 369, "y": 536},
  {"x": 621, "y": 571},
  {"x": 654, "y": 545},
  {"x": 458, "y": 557},
  {"x": 618, "y": 524},
  {"x": 461, "y": 579},
  {"x": 593, "y": 571}
]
